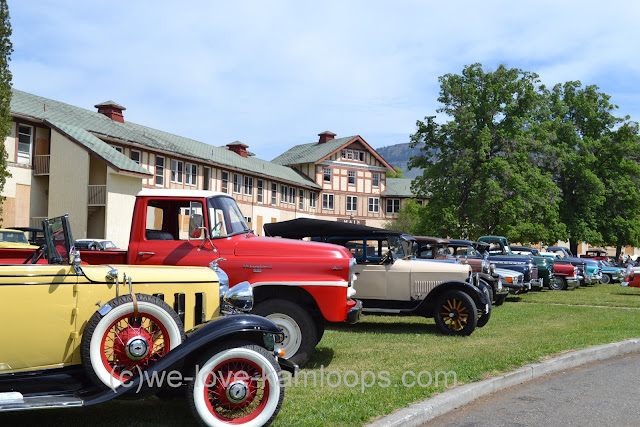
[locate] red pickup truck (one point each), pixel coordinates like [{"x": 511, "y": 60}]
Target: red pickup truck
[{"x": 297, "y": 284}]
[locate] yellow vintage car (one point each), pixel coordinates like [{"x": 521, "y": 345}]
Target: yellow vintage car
[
  {"x": 78, "y": 335},
  {"x": 14, "y": 239}
]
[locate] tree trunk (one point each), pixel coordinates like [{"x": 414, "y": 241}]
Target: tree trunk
[{"x": 573, "y": 247}]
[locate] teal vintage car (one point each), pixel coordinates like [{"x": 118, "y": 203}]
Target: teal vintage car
[
  {"x": 611, "y": 273},
  {"x": 500, "y": 245}
]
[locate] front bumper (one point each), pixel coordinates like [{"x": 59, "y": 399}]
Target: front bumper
[
  {"x": 354, "y": 312},
  {"x": 536, "y": 283},
  {"x": 573, "y": 282},
  {"x": 288, "y": 366},
  {"x": 594, "y": 279}
]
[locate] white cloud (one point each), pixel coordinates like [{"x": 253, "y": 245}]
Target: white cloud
[{"x": 274, "y": 74}]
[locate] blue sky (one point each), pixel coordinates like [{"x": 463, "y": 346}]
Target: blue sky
[{"x": 274, "y": 74}]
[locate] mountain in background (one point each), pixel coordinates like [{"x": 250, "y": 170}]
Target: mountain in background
[{"x": 398, "y": 155}]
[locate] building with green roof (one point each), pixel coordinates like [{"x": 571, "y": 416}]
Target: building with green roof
[{"x": 91, "y": 163}]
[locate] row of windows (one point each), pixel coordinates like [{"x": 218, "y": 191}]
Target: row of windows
[
  {"x": 393, "y": 205},
  {"x": 375, "y": 177},
  {"x": 190, "y": 176},
  {"x": 348, "y": 154}
]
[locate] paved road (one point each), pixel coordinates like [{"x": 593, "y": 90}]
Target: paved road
[{"x": 599, "y": 394}]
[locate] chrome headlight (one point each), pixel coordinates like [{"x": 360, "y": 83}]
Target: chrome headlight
[
  {"x": 485, "y": 265},
  {"x": 237, "y": 299},
  {"x": 492, "y": 268},
  {"x": 352, "y": 271}
]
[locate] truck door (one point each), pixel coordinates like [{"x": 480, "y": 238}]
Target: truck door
[{"x": 175, "y": 234}]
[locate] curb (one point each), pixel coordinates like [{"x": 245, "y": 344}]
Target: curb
[{"x": 421, "y": 412}]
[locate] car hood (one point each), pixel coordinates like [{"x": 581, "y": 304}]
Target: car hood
[
  {"x": 146, "y": 274},
  {"x": 252, "y": 245}
]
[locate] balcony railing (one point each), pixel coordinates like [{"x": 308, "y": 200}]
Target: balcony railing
[
  {"x": 41, "y": 164},
  {"x": 36, "y": 221},
  {"x": 97, "y": 195}
]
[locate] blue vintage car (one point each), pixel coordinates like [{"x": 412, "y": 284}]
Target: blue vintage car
[{"x": 611, "y": 273}]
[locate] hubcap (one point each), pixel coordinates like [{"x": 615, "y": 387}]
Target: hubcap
[
  {"x": 291, "y": 331},
  {"x": 237, "y": 392},
  {"x": 137, "y": 348}
]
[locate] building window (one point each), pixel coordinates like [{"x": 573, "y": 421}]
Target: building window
[
  {"x": 344, "y": 153},
  {"x": 136, "y": 156},
  {"x": 237, "y": 183},
  {"x": 191, "y": 174},
  {"x": 327, "y": 201},
  {"x": 352, "y": 177},
  {"x": 160, "y": 171},
  {"x": 248, "y": 185},
  {"x": 206, "y": 178},
  {"x": 313, "y": 197},
  {"x": 274, "y": 193},
  {"x": 393, "y": 205},
  {"x": 225, "y": 182},
  {"x": 301, "y": 199},
  {"x": 374, "y": 204},
  {"x": 327, "y": 174},
  {"x": 283, "y": 193},
  {"x": 118, "y": 149},
  {"x": 352, "y": 203},
  {"x": 260, "y": 191},
  {"x": 292, "y": 195},
  {"x": 361, "y": 153},
  {"x": 376, "y": 180},
  {"x": 25, "y": 137},
  {"x": 176, "y": 171}
]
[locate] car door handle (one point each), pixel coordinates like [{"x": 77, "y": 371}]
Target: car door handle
[{"x": 146, "y": 253}]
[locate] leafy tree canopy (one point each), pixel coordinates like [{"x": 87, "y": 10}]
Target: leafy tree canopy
[
  {"x": 6, "y": 48},
  {"x": 528, "y": 162}
]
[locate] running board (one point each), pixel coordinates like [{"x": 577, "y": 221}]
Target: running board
[{"x": 15, "y": 401}]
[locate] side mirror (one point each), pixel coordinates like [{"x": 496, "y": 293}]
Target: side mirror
[{"x": 195, "y": 226}]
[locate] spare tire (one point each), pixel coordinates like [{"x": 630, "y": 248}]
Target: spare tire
[{"x": 118, "y": 344}]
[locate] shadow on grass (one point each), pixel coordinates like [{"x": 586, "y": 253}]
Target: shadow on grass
[
  {"x": 398, "y": 327},
  {"x": 626, "y": 293},
  {"x": 322, "y": 356}
]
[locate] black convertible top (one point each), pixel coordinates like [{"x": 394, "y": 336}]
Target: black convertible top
[{"x": 307, "y": 227}]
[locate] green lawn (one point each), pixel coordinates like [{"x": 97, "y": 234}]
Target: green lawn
[{"x": 525, "y": 329}]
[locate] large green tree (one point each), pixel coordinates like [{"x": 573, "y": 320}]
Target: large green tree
[
  {"x": 617, "y": 166},
  {"x": 478, "y": 166},
  {"x": 574, "y": 123},
  {"x": 6, "y": 48}
]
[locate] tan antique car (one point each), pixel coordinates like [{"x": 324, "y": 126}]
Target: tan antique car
[
  {"x": 391, "y": 280},
  {"x": 78, "y": 335}
]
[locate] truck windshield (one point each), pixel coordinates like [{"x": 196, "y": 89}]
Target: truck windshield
[{"x": 225, "y": 217}]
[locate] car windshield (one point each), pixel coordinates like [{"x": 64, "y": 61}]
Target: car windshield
[
  {"x": 13, "y": 237},
  {"x": 466, "y": 251},
  {"x": 225, "y": 217},
  {"x": 108, "y": 244},
  {"x": 397, "y": 246}
]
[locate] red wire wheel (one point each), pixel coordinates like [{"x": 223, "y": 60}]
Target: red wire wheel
[
  {"x": 236, "y": 383},
  {"x": 236, "y": 391},
  {"x": 119, "y": 343},
  {"x": 130, "y": 344}
]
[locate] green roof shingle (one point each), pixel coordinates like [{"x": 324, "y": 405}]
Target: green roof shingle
[{"x": 92, "y": 122}]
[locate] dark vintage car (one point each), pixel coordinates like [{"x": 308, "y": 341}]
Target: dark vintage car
[
  {"x": 93, "y": 333},
  {"x": 390, "y": 280},
  {"x": 565, "y": 274},
  {"x": 427, "y": 247},
  {"x": 526, "y": 266},
  {"x": 500, "y": 248}
]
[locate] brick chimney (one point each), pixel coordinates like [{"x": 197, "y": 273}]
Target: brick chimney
[
  {"x": 111, "y": 110},
  {"x": 326, "y": 136},
  {"x": 239, "y": 148}
]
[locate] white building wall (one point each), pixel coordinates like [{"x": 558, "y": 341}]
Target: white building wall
[
  {"x": 121, "y": 196},
  {"x": 68, "y": 183}
]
